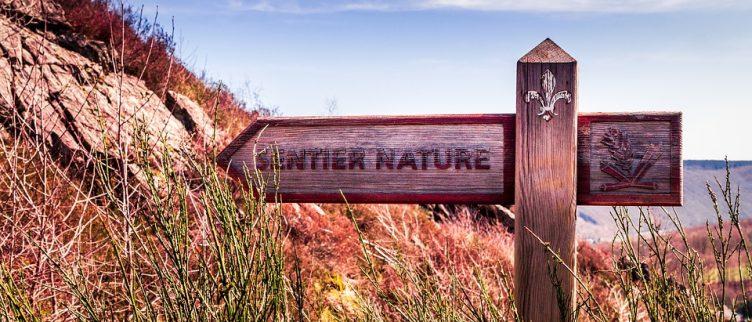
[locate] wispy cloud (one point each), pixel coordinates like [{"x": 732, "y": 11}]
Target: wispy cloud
[
  {"x": 319, "y": 6},
  {"x": 599, "y": 6},
  {"x": 588, "y": 5}
]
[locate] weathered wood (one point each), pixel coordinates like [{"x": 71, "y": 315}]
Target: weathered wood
[
  {"x": 545, "y": 182},
  {"x": 645, "y": 170},
  {"x": 393, "y": 159},
  {"x": 660, "y": 128}
]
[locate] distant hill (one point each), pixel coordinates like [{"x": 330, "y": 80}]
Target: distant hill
[{"x": 596, "y": 224}]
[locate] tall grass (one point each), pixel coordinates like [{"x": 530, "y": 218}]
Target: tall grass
[
  {"x": 167, "y": 237},
  {"x": 178, "y": 247},
  {"x": 422, "y": 289},
  {"x": 661, "y": 273}
]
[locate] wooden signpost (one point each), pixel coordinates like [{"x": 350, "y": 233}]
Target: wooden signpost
[{"x": 546, "y": 159}]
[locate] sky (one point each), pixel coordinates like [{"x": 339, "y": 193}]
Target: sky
[{"x": 459, "y": 56}]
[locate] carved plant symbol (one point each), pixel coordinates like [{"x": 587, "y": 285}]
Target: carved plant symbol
[
  {"x": 625, "y": 165},
  {"x": 548, "y": 100}
]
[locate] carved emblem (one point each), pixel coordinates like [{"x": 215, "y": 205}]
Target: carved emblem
[
  {"x": 625, "y": 165},
  {"x": 548, "y": 100}
]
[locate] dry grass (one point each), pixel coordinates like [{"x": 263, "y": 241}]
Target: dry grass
[{"x": 458, "y": 270}]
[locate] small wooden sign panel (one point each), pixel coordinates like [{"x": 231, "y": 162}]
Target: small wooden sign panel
[
  {"x": 629, "y": 159},
  {"x": 623, "y": 158}
]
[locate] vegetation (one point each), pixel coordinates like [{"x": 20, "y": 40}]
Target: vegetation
[{"x": 189, "y": 245}]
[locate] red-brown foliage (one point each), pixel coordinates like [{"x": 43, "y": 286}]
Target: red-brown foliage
[{"x": 143, "y": 49}]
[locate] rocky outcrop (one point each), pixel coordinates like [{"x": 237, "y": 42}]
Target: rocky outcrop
[
  {"x": 192, "y": 116},
  {"x": 70, "y": 102},
  {"x": 34, "y": 11},
  {"x": 48, "y": 19}
]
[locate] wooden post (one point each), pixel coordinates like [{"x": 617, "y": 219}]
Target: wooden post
[{"x": 545, "y": 181}]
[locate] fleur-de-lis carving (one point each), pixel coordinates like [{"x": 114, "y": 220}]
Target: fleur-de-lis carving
[{"x": 548, "y": 99}]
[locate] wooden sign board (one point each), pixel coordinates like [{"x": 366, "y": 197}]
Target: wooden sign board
[
  {"x": 387, "y": 159},
  {"x": 623, "y": 159}
]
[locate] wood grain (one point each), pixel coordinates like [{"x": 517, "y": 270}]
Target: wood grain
[
  {"x": 662, "y": 129},
  {"x": 546, "y": 189},
  {"x": 547, "y": 52},
  {"x": 666, "y": 126},
  {"x": 480, "y": 168}
]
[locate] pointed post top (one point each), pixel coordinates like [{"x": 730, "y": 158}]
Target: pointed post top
[{"x": 547, "y": 52}]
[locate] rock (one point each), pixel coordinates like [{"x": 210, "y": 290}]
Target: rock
[
  {"x": 94, "y": 50},
  {"x": 74, "y": 105},
  {"x": 48, "y": 18},
  {"x": 34, "y": 11},
  {"x": 192, "y": 116}
]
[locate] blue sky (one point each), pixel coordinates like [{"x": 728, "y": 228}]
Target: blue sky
[{"x": 459, "y": 56}]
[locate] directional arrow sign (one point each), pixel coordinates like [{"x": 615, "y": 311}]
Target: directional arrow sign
[
  {"x": 623, "y": 159},
  {"x": 387, "y": 159}
]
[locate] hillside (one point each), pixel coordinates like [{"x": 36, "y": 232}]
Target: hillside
[{"x": 596, "y": 223}]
